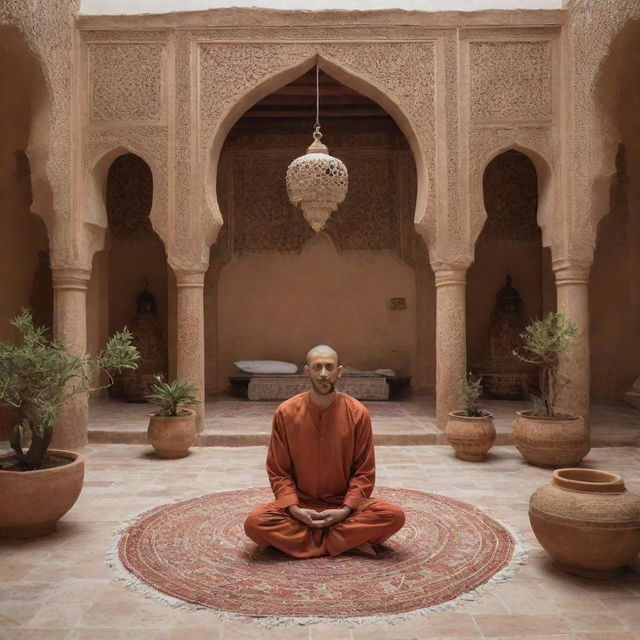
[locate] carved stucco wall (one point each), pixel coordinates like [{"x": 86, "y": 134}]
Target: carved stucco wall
[
  {"x": 125, "y": 105},
  {"x": 510, "y": 102},
  {"x": 376, "y": 214},
  {"x": 47, "y": 29},
  {"x": 592, "y": 135},
  {"x": 404, "y": 72}
]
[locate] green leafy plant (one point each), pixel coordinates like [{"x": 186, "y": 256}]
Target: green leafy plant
[
  {"x": 169, "y": 396},
  {"x": 543, "y": 343},
  {"x": 37, "y": 375},
  {"x": 469, "y": 392}
]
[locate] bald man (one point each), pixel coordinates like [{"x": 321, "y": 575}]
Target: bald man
[{"x": 321, "y": 467}]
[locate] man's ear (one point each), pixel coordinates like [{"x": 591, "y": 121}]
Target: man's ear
[
  {"x": 340, "y": 370},
  {"x": 307, "y": 371}
]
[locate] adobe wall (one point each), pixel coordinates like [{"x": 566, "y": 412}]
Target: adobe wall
[
  {"x": 23, "y": 237},
  {"x": 615, "y": 280}
]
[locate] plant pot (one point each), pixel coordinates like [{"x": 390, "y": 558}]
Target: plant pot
[
  {"x": 470, "y": 437},
  {"x": 587, "y": 521},
  {"x": 551, "y": 442},
  {"x": 171, "y": 436},
  {"x": 33, "y": 501}
]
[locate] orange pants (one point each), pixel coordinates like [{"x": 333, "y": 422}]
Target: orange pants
[{"x": 374, "y": 522}]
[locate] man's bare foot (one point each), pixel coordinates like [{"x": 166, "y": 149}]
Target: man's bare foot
[{"x": 367, "y": 549}]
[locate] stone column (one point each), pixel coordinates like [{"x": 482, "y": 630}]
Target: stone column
[
  {"x": 572, "y": 284},
  {"x": 70, "y": 328},
  {"x": 451, "y": 339},
  {"x": 190, "y": 333}
]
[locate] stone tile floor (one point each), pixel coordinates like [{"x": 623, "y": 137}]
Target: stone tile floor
[
  {"x": 61, "y": 587},
  {"x": 237, "y": 422}
]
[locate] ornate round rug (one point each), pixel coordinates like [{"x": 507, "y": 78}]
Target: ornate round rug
[{"x": 197, "y": 551}]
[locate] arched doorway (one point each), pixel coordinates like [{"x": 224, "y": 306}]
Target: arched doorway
[
  {"x": 511, "y": 281},
  {"x": 129, "y": 273},
  {"x": 281, "y": 288},
  {"x": 615, "y": 279},
  {"x": 25, "y": 277}
]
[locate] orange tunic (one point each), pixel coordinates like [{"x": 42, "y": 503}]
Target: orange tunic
[{"x": 321, "y": 459}]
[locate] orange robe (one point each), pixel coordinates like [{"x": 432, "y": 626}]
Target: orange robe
[{"x": 322, "y": 459}]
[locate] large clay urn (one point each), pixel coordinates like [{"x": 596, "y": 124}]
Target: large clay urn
[
  {"x": 587, "y": 521},
  {"x": 171, "y": 436},
  {"x": 551, "y": 441},
  {"x": 470, "y": 437},
  {"x": 33, "y": 501}
]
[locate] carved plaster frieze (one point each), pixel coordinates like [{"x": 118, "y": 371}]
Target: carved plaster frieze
[
  {"x": 510, "y": 81},
  {"x": 126, "y": 82},
  {"x": 404, "y": 72},
  {"x": 149, "y": 143},
  {"x": 112, "y": 36}
]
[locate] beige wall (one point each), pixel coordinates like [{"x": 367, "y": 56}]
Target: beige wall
[
  {"x": 277, "y": 306},
  {"x": 23, "y": 233},
  {"x": 615, "y": 278}
]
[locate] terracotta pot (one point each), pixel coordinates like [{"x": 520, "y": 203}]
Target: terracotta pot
[
  {"x": 171, "y": 436},
  {"x": 471, "y": 438},
  {"x": 33, "y": 501},
  {"x": 587, "y": 521},
  {"x": 551, "y": 442}
]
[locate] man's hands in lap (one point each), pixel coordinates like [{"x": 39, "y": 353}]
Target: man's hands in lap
[{"x": 319, "y": 519}]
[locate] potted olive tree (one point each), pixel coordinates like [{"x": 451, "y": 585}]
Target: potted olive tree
[
  {"x": 545, "y": 436},
  {"x": 37, "y": 375},
  {"x": 172, "y": 429},
  {"x": 470, "y": 431}
]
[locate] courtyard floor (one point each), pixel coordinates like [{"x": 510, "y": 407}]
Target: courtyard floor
[{"x": 60, "y": 587}]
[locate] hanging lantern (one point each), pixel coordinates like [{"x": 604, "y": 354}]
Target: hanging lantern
[{"x": 316, "y": 181}]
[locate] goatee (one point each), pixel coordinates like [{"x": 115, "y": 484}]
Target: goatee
[{"x": 322, "y": 391}]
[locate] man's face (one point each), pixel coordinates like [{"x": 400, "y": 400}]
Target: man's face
[{"x": 323, "y": 371}]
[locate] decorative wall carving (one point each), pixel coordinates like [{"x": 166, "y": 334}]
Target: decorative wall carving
[
  {"x": 125, "y": 82},
  {"x": 484, "y": 144},
  {"x": 148, "y": 142},
  {"x": 405, "y": 71},
  {"x": 129, "y": 197},
  {"x": 376, "y": 213},
  {"x": 510, "y": 80},
  {"x": 511, "y": 197}
]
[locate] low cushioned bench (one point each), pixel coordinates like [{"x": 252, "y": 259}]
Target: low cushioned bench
[{"x": 282, "y": 387}]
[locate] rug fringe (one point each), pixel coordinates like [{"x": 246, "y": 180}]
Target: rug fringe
[{"x": 132, "y": 583}]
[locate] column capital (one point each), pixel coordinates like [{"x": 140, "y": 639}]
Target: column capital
[
  {"x": 75, "y": 278},
  {"x": 189, "y": 278},
  {"x": 450, "y": 274},
  {"x": 571, "y": 271}
]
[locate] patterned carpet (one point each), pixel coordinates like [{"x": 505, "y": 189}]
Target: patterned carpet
[{"x": 196, "y": 551}]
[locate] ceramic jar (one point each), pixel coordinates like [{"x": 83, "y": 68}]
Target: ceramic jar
[
  {"x": 551, "y": 441},
  {"x": 171, "y": 436},
  {"x": 587, "y": 521},
  {"x": 470, "y": 437}
]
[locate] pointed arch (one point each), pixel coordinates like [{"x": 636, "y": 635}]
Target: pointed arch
[
  {"x": 95, "y": 186},
  {"x": 14, "y": 48},
  {"x": 546, "y": 188},
  {"x": 272, "y": 83}
]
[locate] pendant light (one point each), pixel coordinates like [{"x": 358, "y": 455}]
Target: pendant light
[{"x": 316, "y": 181}]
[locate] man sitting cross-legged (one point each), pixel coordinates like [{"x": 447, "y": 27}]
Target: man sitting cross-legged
[{"x": 321, "y": 467}]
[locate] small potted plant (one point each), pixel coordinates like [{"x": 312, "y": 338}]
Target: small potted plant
[
  {"x": 37, "y": 375},
  {"x": 470, "y": 431},
  {"x": 544, "y": 436},
  {"x": 172, "y": 429}
]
